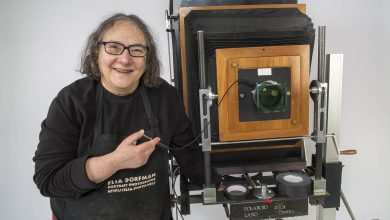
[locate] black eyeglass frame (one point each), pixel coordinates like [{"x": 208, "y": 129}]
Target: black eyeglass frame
[{"x": 124, "y": 48}]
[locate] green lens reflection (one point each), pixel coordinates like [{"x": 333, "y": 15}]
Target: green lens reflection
[{"x": 270, "y": 97}]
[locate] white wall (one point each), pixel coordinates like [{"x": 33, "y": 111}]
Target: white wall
[
  {"x": 360, "y": 30},
  {"x": 40, "y": 44}
]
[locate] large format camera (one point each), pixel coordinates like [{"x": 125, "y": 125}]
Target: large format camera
[{"x": 242, "y": 68}]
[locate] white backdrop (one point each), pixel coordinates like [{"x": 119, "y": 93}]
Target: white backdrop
[{"x": 40, "y": 45}]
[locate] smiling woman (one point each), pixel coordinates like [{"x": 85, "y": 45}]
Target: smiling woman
[{"x": 90, "y": 143}]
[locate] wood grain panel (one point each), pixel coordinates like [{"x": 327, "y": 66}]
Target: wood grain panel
[{"x": 230, "y": 60}]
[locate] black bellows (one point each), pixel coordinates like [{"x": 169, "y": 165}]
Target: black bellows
[{"x": 233, "y": 28}]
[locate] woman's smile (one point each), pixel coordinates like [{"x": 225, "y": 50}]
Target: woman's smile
[{"x": 123, "y": 70}]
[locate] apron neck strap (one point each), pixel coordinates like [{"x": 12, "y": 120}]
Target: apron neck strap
[
  {"x": 153, "y": 122},
  {"x": 99, "y": 108}
]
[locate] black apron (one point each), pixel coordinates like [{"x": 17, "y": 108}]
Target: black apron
[{"x": 139, "y": 194}]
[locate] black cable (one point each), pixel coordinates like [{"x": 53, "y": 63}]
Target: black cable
[
  {"x": 212, "y": 117},
  {"x": 174, "y": 191},
  {"x": 247, "y": 82}
]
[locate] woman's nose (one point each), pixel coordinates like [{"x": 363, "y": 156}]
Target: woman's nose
[{"x": 125, "y": 57}]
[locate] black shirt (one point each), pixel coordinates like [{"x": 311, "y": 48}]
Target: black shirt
[{"x": 66, "y": 142}]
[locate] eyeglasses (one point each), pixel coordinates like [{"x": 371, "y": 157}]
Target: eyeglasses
[{"x": 115, "y": 48}]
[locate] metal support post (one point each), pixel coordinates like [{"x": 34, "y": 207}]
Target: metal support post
[
  {"x": 335, "y": 74},
  {"x": 209, "y": 191},
  {"x": 319, "y": 94}
]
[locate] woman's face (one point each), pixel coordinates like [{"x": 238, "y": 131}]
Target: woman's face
[{"x": 120, "y": 74}]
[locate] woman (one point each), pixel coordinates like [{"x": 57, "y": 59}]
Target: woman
[{"x": 91, "y": 159}]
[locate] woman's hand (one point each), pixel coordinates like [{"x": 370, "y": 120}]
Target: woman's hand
[{"x": 127, "y": 155}]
